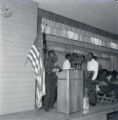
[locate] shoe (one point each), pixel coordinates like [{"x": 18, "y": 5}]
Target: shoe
[
  {"x": 93, "y": 104},
  {"x": 51, "y": 107},
  {"x": 46, "y": 110}
]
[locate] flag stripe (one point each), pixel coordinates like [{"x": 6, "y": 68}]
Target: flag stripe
[
  {"x": 31, "y": 60},
  {"x": 36, "y": 51},
  {"x": 33, "y": 63},
  {"x": 35, "y": 59}
]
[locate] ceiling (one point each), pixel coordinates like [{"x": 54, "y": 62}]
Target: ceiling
[{"x": 102, "y": 14}]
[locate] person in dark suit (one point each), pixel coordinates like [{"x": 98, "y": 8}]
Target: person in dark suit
[{"x": 50, "y": 80}]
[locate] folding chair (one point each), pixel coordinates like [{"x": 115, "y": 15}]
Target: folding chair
[{"x": 108, "y": 98}]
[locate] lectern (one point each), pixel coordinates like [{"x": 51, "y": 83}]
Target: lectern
[{"x": 70, "y": 91}]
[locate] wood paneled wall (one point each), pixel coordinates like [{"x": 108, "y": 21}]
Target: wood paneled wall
[{"x": 17, "y": 33}]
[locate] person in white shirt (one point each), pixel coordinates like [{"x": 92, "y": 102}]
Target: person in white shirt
[
  {"x": 92, "y": 68},
  {"x": 66, "y": 64}
]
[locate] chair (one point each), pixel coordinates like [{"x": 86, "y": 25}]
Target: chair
[{"x": 108, "y": 98}]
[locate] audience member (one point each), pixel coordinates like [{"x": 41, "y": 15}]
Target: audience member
[{"x": 105, "y": 83}]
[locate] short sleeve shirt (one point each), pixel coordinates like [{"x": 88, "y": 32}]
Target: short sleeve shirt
[
  {"x": 93, "y": 65},
  {"x": 66, "y": 65}
]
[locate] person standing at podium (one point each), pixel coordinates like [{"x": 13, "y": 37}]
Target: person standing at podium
[
  {"x": 50, "y": 80},
  {"x": 92, "y": 67},
  {"x": 66, "y": 64}
]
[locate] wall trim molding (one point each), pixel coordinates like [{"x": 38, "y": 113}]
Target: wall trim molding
[
  {"x": 64, "y": 20},
  {"x": 62, "y": 44}
]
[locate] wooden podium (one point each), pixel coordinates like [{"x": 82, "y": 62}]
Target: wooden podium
[{"x": 70, "y": 91}]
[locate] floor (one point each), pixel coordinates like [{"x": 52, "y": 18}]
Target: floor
[
  {"x": 35, "y": 115},
  {"x": 54, "y": 115}
]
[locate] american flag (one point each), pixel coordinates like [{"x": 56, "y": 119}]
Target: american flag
[{"x": 35, "y": 56}]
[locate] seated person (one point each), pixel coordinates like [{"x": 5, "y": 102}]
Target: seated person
[
  {"x": 105, "y": 83},
  {"x": 66, "y": 64},
  {"x": 102, "y": 75},
  {"x": 114, "y": 84},
  {"x": 114, "y": 75},
  {"x": 99, "y": 77}
]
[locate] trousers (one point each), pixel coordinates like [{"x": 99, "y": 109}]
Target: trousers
[
  {"x": 50, "y": 96},
  {"x": 91, "y": 86}
]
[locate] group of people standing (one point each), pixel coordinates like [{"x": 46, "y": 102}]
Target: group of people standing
[
  {"x": 75, "y": 60},
  {"x": 108, "y": 82},
  {"x": 94, "y": 78},
  {"x": 90, "y": 66}
]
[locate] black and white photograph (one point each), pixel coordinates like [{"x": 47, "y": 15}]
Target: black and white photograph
[{"x": 58, "y": 59}]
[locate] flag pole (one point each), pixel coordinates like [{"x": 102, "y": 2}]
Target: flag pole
[
  {"x": 43, "y": 42},
  {"x": 26, "y": 62}
]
